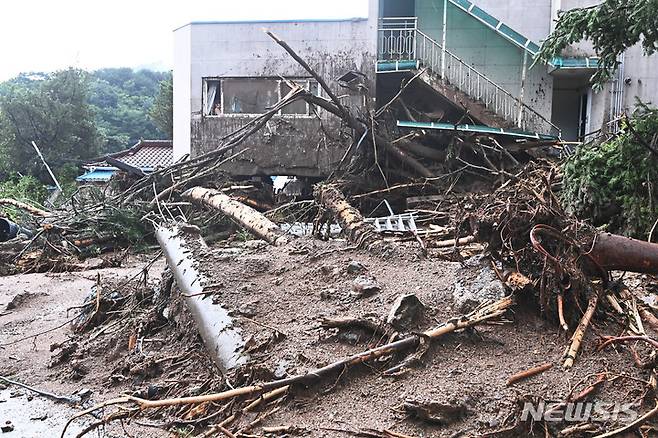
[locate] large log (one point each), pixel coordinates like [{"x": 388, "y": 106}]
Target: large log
[
  {"x": 246, "y": 216},
  {"x": 615, "y": 252},
  {"x": 35, "y": 211},
  {"x": 348, "y": 217}
]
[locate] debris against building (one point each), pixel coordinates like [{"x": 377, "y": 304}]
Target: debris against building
[{"x": 443, "y": 291}]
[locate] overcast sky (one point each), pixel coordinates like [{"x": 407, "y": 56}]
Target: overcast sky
[{"x": 47, "y": 35}]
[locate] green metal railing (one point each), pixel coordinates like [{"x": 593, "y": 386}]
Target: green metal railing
[{"x": 400, "y": 39}]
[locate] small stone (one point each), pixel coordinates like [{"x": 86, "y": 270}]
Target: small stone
[
  {"x": 349, "y": 337},
  {"x": 84, "y": 393},
  {"x": 328, "y": 294},
  {"x": 247, "y": 309},
  {"x": 254, "y": 244},
  {"x": 476, "y": 284},
  {"x": 354, "y": 267},
  {"x": 495, "y": 422},
  {"x": 364, "y": 286},
  {"x": 406, "y": 310},
  {"x": 281, "y": 370},
  {"x": 7, "y": 427}
]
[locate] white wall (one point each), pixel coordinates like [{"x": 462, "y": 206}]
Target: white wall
[
  {"x": 243, "y": 49},
  {"x": 211, "y": 49},
  {"x": 182, "y": 92},
  {"x": 531, "y": 18}
]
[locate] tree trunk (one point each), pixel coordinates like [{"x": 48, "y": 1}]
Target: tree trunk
[
  {"x": 349, "y": 218},
  {"x": 253, "y": 221}
]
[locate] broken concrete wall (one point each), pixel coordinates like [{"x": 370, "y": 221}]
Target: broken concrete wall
[{"x": 290, "y": 144}]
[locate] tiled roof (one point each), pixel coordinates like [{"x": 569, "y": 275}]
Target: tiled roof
[{"x": 146, "y": 155}]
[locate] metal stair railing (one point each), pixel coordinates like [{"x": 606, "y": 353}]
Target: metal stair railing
[{"x": 400, "y": 39}]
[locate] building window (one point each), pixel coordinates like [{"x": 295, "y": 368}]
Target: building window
[
  {"x": 226, "y": 96},
  {"x": 212, "y": 104}
]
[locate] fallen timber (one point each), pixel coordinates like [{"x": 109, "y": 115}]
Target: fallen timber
[
  {"x": 349, "y": 218},
  {"x": 481, "y": 315},
  {"x": 246, "y": 216},
  {"x": 618, "y": 253}
]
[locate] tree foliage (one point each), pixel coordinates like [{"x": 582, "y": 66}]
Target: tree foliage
[
  {"x": 612, "y": 27},
  {"x": 122, "y": 99},
  {"x": 51, "y": 110},
  {"x": 162, "y": 111},
  {"x": 615, "y": 184},
  {"x": 74, "y": 115}
]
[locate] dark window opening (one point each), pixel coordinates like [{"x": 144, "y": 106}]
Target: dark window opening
[{"x": 253, "y": 96}]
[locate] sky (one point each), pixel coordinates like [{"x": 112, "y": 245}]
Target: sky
[{"x": 48, "y": 35}]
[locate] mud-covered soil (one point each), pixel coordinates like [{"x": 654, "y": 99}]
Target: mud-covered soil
[
  {"x": 277, "y": 297},
  {"x": 40, "y": 303},
  {"x": 290, "y": 290}
]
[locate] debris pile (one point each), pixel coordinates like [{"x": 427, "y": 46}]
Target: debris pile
[{"x": 435, "y": 316}]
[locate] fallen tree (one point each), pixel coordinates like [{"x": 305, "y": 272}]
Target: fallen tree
[
  {"x": 244, "y": 215},
  {"x": 349, "y": 218}
]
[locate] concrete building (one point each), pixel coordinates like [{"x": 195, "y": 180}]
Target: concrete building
[
  {"x": 478, "y": 57},
  {"x": 226, "y": 74}
]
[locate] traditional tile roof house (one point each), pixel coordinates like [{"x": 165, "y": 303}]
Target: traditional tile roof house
[{"x": 144, "y": 157}]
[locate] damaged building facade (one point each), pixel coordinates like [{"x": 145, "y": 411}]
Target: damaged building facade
[
  {"x": 227, "y": 74},
  {"x": 478, "y": 69}
]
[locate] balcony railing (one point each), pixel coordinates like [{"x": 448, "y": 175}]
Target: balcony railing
[{"x": 400, "y": 39}]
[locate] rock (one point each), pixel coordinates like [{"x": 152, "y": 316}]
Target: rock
[
  {"x": 328, "y": 294},
  {"x": 435, "y": 412},
  {"x": 476, "y": 283},
  {"x": 84, "y": 393},
  {"x": 349, "y": 337},
  {"x": 365, "y": 285},
  {"x": 247, "y": 309},
  {"x": 281, "y": 370},
  {"x": 7, "y": 427},
  {"x": 19, "y": 300},
  {"x": 354, "y": 267},
  {"x": 254, "y": 244},
  {"x": 406, "y": 310}
]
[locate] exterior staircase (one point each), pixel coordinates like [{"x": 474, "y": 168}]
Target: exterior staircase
[{"x": 401, "y": 40}]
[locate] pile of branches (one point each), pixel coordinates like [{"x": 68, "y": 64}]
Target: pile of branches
[{"x": 526, "y": 231}]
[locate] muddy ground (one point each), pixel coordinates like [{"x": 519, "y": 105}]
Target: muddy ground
[{"x": 277, "y": 297}]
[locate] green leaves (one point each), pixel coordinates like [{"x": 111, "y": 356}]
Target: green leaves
[
  {"x": 51, "y": 110},
  {"x": 612, "y": 27},
  {"x": 122, "y": 99},
  {"x": 162, "y": 111},
  {"x": 615, "y": 184},
  {"x": 74, "y": 115}
]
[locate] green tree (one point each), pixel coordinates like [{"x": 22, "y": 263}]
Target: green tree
[
  {"x": 613, "y": 184},
  {"x": 612, "y": 27},
  {"x": 162, "y": 111},
  {"x": 122, "y": 98},
  {"x": 51, "y": 110}
]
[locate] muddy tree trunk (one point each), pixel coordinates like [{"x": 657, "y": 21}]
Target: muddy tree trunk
[
  {"x": 348, "y": 217},
  {"x": 253, "y": 221}
]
